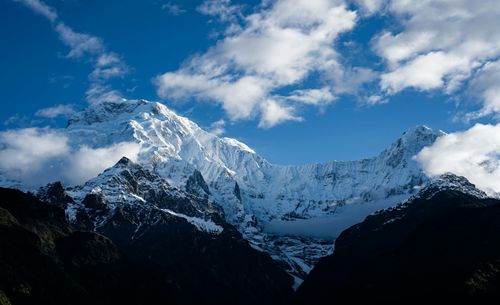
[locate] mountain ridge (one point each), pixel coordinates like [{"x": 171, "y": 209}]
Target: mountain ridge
[{"x": 439, "y": 246}]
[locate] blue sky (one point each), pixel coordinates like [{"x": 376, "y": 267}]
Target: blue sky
[{"x": 377, "y": 74}]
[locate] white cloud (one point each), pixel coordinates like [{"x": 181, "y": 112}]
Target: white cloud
[
  {"x": 86, "y": 162},
  {"x": 486, "y": 86},
  {"x": 278, "y": 46},
  {"x": 426, "y": 72},
  {"x": 273, "y": 114},
  {"x": 106, "y": 64},
  {"x": 55, "y": 111},
  {"x": 239, "y": 98},
  {"x": 375, "y": 100},
  {"x": 369, "y": 7},
  {"x": 173, "y": 9},
  {"x": 26, "y": 150},
  {"x": 217, "y": 127},
  {"x": 40, "y": 8},
  {"x": 312, "y": 96},
  {"x": 17, "y": 120},
  {"x": 222, "y": 9},
  {"x": 440, "y": 44},
  {"x": 39, "y": 156},
  {"x": 80, "y": 44},
  {"x": 97, "y": 94},
  {"x": 474, "y": 154}
]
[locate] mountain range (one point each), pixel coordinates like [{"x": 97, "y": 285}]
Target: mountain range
[
  {"x": 292, "y": 212},
  {"x": 193, "y": 208}
]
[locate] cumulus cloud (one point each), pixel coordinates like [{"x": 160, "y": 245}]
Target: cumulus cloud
[
  {"x": 426, "y": 72},
  {"x": 37, "y": 156},
  {"x": 26, "y": 150},
  {"x": 486, "y": 85},
  {"x": 56, "y": 111},
  {"x": 278, "y": 46},
  {"x": 274, "y": 113},
  {"x": 474, "y": 154},
  {"x": 86, "y": 162},
  {"x": 440, "y": 45},
  {"x": 369, "y": 7}
]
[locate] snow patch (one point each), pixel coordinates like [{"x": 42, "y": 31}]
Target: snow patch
[{"x": 201, "y": 224}]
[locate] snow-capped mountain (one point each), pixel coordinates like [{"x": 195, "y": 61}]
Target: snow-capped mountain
[
  {"x": 291, "y": 212},
  {"x": 238, "y": 178}
]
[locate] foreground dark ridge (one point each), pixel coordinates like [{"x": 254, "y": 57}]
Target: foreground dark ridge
[
  {"x": 441, "y": 247},
  {"x": 44, "y": 261}
]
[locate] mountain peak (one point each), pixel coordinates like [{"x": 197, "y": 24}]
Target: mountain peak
[
  {"x": 420, "y": 133},
  {"x": 412, "y": 141},
  {"x": 124, "y": 161},
  {"x": 452, "y": 182},
  {"x": 238, "y": 144},
  {"x": 105, "y": 111}
]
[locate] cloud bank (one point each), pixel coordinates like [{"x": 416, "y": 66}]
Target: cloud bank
[
  {"x": 37, "y": 156},
  {"x": 474, "y": 153}
]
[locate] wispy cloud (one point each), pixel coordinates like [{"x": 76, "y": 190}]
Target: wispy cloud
[
  {"x": 224, "y": 10},
  {"x": 107, "y": 64},
  {"x": 18, "y": 120},
  {"x": 41, "y": 8},
  {"x": 56, "y": 111},
  {"x": 173, "y": 9},
  {"x": 80, "y": 44},
  {"x": 217, "y": 127}
]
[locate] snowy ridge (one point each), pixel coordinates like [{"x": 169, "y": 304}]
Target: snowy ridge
[
  {"x": 449, "y": 182},
  {"x": 443, "y": 183},
  {"x": 129, "y": 187}
]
